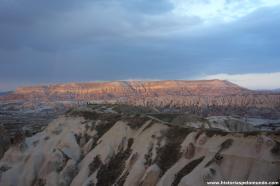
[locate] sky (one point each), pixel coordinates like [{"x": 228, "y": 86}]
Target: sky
[{"x": 43, "y": 42}]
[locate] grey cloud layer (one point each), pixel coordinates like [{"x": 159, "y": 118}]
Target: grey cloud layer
[{"x": 50, "y": 41}]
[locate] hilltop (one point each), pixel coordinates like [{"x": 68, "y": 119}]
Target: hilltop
[
  {"x": 106, "y": 145},
  {"x": 173, "y": 94},
  {"x": 117, "y": 89}
]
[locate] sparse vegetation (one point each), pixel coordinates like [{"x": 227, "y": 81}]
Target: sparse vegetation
[
  {"x": 209, "y": 163},
  {"x": 136, "y": 122},
  {"x": 226, "y": 144},
  {"x": 218, "y": 156},
  {"x": 88, "y": 115},
  {"x": 130, "y": 143},
  {"x": 148, "y": 126},
  {"x": 102, "y": 128},
  {"x": 109, "y": 173},
  {"x": 166, "y": 117},
  {"x": 211, "y": 132},
  {"x": 148, "y": 156},
  {"x": 130, "y": 109},
  {"x": 252, "y": 133},
  {"x": 198, "y": 134},
  {"x": 39, "y": 182},
  {"x": 94, "y": 165},
  {"x": 213, "y": 171},
  {"x": 180, "y": 120},
  {"x": 59, "y": 167},
  {"x": 186, "y": 170},
  {"x": 170, "y": 152},
  {"x": 276, "y": 148},
  {"x": 93, "y": 115},
  {"x": 4, "y": 168},
  {"x": 122, "y": 179},
  {"x": 90, "y": 184},
  {"x": 107, "y": 121}
]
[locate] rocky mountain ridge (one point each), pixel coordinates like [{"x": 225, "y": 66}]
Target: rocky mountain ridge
[
  {"x": 119, "y": 89},
  {"x": 173, "y": 93}
]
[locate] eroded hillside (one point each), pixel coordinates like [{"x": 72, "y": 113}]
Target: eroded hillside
[
  {"x": 107, "y": 145},
  {"x": 213, "y": 95},
  {"x": 30, "y": 109}
]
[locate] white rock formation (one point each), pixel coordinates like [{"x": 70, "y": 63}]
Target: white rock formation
[{"x": 151, "y": 153}]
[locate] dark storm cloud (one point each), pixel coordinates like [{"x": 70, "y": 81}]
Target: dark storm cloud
[
  {"x": 59, "y": 41},
  {"x": 20, "y": 21},
  {"x": 52, "y": 24}
]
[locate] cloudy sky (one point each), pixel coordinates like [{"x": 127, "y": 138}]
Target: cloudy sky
[{"x": 99, "y": 40}]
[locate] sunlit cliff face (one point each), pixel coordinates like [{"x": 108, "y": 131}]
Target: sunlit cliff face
[
  {"x": 171, "y": 94},
  {"x": 209, "y": 87}
]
